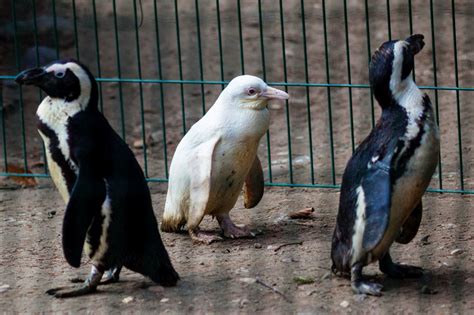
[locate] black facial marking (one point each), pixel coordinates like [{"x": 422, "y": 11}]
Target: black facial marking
[
  {"x": 408, "y": 63},
  {"x": 66, "y": 86}
]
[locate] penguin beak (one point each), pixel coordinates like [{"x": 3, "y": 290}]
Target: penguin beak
[
  {"x": 30, "y": 76},
  {"x": 272, "y": 93},
  {"x": 416, "y": 43}
]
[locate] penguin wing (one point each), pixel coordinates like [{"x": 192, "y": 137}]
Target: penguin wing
[
  {"x": 377, "y": 197},
  {"x": 411, "y": 225},
  {"x": 85, "y": 202},
  {"x": 201, "y": 177},
  {"x": 253, "y": 185}
]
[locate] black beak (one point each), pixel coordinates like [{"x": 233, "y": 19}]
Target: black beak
[
  {"x": 30, "y": 76},
  {"x": 416, "y": 43}
]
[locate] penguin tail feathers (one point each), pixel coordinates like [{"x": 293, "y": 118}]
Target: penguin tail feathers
[
  {"x": 172, "y": 221},
  {"x": 340, "y": 255},
  {"x": 157, "y": 266}
]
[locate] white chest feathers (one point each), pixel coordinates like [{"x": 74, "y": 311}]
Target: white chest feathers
[{"x": 55, "y": 114}]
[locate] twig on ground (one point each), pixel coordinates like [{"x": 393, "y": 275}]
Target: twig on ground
[
  {"x": 259, "y": 281},
  {"x": 288, "y": 244}
]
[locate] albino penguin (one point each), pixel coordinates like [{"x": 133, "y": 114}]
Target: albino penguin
[{"x": 217, "y": 157}]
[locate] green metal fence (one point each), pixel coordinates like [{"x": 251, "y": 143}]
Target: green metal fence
[{"x": 161, "y": 64}]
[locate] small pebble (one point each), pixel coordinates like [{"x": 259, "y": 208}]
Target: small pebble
[
  {"x": 248, "y": 280},
  {"x": 4, "y": 287},
  {"x": 128, "y": 299},
  {"x": 457, "y": 252},
  {"x": 427, "y": 290},
  {"x": 257, "y": 245},
  {"x": 344, "y": 304},
  {"x": 164, "y": 300}
]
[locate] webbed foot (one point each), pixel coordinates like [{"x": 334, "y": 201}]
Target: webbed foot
[
  {"x": 365, "y": 287},
  {"x": 110, "y": 276},
  {"x": 398, "y": 271},
  {"x": 359, "y": 286},
  {"x": 230, "y": 230},
  {"x": 89, "y": 286}
]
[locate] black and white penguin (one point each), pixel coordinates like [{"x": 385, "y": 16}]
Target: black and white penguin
[
  {"x": 109, "y": 211},
  {"x": 382, "y": 185}
]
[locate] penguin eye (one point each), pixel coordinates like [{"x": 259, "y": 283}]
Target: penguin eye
[
  {"x": 251, "y": 91},
  {"x": 59, "y": 74}
]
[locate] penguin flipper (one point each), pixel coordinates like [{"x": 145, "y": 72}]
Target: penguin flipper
[
  {"x": 377, "y": 194},
  {"x": 253, "y": 185},
  {"x": 411, "y": 225},
  {"x": 85, "y": 202},
  {"x": 201, "y": 181}
]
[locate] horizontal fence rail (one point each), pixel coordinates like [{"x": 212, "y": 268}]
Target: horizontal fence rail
[{"x": 161, "y": 64}]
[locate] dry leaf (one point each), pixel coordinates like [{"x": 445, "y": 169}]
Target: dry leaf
[
  {"x": 23, "y": 181},
  {"x": 301, "y": 214}
]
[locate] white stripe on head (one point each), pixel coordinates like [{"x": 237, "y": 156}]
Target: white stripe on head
[
  {"x": 359, "y": 227},
  {"x": 405, "y": 92}
]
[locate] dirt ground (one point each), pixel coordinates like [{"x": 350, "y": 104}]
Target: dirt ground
[{"x": 220, "y": 278}]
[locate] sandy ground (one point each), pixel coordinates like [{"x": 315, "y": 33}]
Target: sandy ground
[{"x": 220, "y": 278}]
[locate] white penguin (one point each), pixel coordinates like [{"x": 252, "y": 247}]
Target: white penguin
[{"x": 217, "y": 157}]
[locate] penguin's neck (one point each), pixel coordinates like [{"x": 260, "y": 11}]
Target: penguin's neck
[{"x": 409, "y": 97}]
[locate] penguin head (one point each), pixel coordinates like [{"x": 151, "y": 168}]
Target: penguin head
[
  {"x": 67, "y": 80},
  {"x": 250, "y": 92},
  {"x": 391, "y": 65}
]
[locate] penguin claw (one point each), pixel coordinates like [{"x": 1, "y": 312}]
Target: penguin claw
[
  {"x": 63, "y": 292},
  {"x": 369, "y": 288}
]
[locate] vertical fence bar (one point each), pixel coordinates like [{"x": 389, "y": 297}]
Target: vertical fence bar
[
  {"x": 76, "y": 37},
  {"x": 4, "y": 134},
  {"x": 55, "y": 28},
  {"x": 285, "y": 78},
  {"x": 367, "y": 29},
  {"x": 328, "y": 80},
  {"x": 219, "y": 38},
  {"x": 119, "y": 69},
  {"x": 180, "y": 66},
  {"x": 201, "y": 70},
  {"x": 458, "y": 106},
  {"x": 389, "y": 24},
  {"x": 97, "y": 53},
  {"x": 410, "y": 22},
  {"x": 308, "y": 100},
  {"x": 37, "y": 59},
  {"x": 140, "y": 87},
  {"x": 241, "y": 40},
  {"x": 435, "y": 83},
  {"x": 18, "y": 68},
  {"x": 349, "y": 78},
  {"x": 162, "y": 94},
  {"x": 262, "y": 51}
]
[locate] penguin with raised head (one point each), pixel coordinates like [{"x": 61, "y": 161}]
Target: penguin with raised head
[
  {"x": 384, "y": 181},
  {"x": 217, "y": 158},
  {"x": 109, "y": 212}
]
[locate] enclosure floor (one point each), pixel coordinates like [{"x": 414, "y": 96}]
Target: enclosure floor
[{"x": 220, "y": 278}]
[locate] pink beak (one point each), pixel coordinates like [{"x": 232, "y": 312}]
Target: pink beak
[{"x": 272, "y": 93}]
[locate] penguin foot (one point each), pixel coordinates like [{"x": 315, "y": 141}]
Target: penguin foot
[
  {"x": 64, "y": 292},
  {"x": 201, "y": 237},
  {"x": 110, "y": 276},
  {"x": 398, "y": 271},
  {"x": 369, "y": 288},
  {"x": 230, "y": 230},
  {"x": 89, "y": 286}
]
